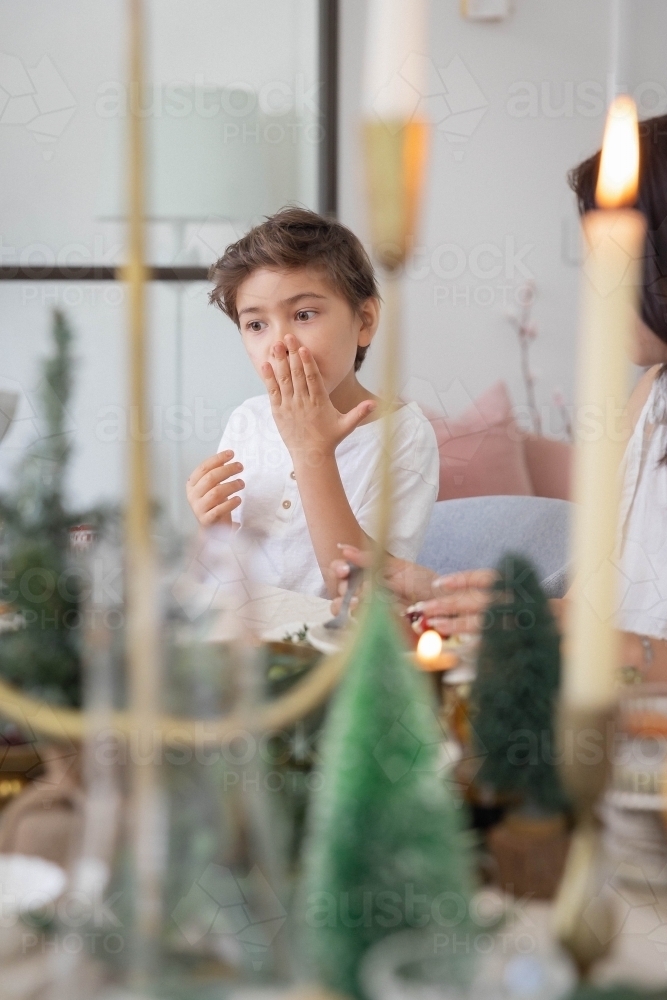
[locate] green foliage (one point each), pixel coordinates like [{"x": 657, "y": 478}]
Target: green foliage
[
  {"x": 36, "y": 504},
  {"x": 385, "y": 848},
  {"x": 44, "y": 655},
  {"x": 38, "y": 579},
  {"x": 514, "y": 695}
]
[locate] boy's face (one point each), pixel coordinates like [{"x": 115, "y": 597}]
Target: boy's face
[{"x": 272, "y": 303}]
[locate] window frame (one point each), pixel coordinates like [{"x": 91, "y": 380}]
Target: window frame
[{"x": 327, "y": 47}]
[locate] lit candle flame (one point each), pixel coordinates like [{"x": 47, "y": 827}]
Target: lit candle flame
[
  {"x": 429, "y": 646},
  {"x": 618, "y": 179}
]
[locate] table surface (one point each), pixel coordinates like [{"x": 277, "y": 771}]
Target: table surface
[
  {"x": 638, "y": 952},
  {"x": 268, "y": 612}
]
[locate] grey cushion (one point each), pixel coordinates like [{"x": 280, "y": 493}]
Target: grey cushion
[{"x": 474, "y": 533}]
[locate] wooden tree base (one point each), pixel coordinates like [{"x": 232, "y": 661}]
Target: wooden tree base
[{"x": 530, "y": 854}]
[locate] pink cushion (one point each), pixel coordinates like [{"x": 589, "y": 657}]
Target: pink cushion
[
  {"x": 481, "y": 451},
  {"x": 549, "y": 466}
]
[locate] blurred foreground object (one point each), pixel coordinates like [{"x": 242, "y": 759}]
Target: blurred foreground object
[
  {"x": 513, "y": 707},
  {"x": 385, "y": 829},
  {"x": 615, "y": 237},
  {"x": 515, "y": 693},
  {"x": 41, "y": 587},
  {"x": 216, "y": 838}
]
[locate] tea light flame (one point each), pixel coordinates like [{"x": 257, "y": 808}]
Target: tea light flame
[
  {"x": 429, "y": 646},
  {"x": 618, "y": 179}
]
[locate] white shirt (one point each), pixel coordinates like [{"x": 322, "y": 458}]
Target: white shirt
[
  {"x": 643, "y": 561},
  {"x": 271, "y": 506}
]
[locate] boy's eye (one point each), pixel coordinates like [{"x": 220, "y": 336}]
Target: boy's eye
[
  {"x": 304, "y": 315},
  {"x": 255, "y": 325}
]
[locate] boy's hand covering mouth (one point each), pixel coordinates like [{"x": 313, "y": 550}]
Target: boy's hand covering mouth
[
  {"x": 308, "y": 422},
  {"x": 210, "y": 489}
]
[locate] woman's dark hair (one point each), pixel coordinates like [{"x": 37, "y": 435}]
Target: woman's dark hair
[{"x": 652, "y": 202}]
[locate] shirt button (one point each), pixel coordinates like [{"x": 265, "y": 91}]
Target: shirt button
[
  {"x": 287, "y": 504},
  {"x": 292, "y": 474}
]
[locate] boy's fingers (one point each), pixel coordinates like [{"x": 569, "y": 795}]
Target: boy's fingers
[
  {"x": 221, "y": 512},
  {"x": 356, "y": 415},
  {"x": 213, "y": 478},
  {"x": 213, "y": 462},
  {"x": 316, "y": 389},
  {"x": 281, "y": 367},
  {"x": 354, "y": 555},
  {"x": 272, "y": 387},
  {"x": 336, "y": 603},
  {"x": 220, "y": 493},
  {"x": 299, "y": 383},
  {"x": 340, "y": 569}
]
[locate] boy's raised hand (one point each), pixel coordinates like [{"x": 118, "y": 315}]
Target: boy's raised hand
[
  {"x": 309, "y": 423},
  {"x": 210, "y": 489}
]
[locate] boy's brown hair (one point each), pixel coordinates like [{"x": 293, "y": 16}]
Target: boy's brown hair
[{"x": 290, "y": 239}]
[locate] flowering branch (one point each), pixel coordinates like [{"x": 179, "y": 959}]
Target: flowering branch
[
  {"x": 527, "y": 333},
  {"x": 559, "y": 402}
]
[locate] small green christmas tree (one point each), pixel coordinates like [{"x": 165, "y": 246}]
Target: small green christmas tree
[
  {"x": 37, "y": 582},
  {"x": 385, "y": 849},
  {"x": 514, "y": 695}
]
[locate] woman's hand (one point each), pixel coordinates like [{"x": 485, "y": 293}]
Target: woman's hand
[
  {"x": 461, "y": 602},
  {"x": 308, "y": 422},
  {"x": 210, "y": 489},
  {"x": 461, "y": 598}
]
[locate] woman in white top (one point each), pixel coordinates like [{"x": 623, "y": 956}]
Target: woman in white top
[
  {"x": 642, "y": 614},
  {"x": 643, "y": 525}
]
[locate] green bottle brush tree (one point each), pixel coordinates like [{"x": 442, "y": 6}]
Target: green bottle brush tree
[
  {"x": 386, "y": 848},
  {"x": 513, "y": 699}
]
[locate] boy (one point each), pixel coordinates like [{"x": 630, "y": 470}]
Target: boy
[{"x": 303, "y": 293}]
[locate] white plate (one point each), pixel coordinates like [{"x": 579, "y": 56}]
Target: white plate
[
  {"x": 331, "y": 640},
  {"x": 28, "y": 883},
  {"x": 323, "y": 639},
  {"x": 277, "y": 633},
  {"x": 328, "y": 640}
]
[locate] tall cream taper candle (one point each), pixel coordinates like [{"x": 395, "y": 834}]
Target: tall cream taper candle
[{"x": 614, "y": 237}]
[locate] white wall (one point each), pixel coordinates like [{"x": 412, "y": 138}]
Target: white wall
[
  {"x": 506, "y": 182},
  {"x": 504, "y": 186},
  {"x": 54, "y": 188}
]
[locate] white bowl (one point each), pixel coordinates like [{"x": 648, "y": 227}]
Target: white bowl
[{"x": 28, "y": 884}]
